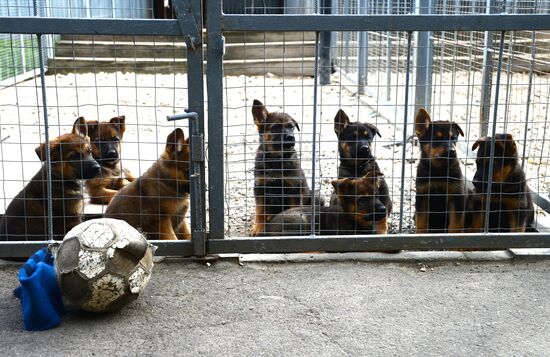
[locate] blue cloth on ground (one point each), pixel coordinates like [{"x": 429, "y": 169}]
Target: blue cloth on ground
[{"x": 39, "y": 293}]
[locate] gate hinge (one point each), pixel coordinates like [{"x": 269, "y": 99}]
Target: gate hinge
[
  {"x": 187, "y": 23},
  {"x": 202, "y": 235},
  {"x": 218, "y": 43}
]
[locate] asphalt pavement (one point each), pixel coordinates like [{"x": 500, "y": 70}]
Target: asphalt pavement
[{"x": 429, "y": 304}]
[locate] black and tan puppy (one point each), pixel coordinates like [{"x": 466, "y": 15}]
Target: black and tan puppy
[
  {"x": 440, "y": 185},
  {"x": 156, "y": 203},
  {"x": 359, "y": 211},
  {"x": 354, "y": 149},
  {"x": 279, "y": 182},
  {"x": 71, "y": 161},
  {"x": 106, "y": 137},
  {"x": 511, "y": 205}
]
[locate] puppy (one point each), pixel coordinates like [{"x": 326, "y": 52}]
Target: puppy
[
  {"x": 279, "y": 182},
  {"x": 511, "y": 205},
  {"x": 359, "y": 211},
  {"x": 440, "y": 187},
  {"x": 354, "y": 149},
  {"x": 26, "y": 217},
  {"x": 156, "y": 203},
  {"x": 106, "y": 140}
]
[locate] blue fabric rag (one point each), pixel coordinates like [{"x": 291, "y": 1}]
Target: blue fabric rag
[{"x": 39, "y": 293}]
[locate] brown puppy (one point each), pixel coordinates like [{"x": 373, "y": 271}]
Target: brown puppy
[
  {"x": 359, "y": 211},
  {"x": 354, "y": 149},
  {"x": 26, "y": 217},
  {"x": 279, "y": 182},
  {"x": 440, "y": 187},
  {"x": 511, "y": 205},
  {"x": 156, "y": 203},
  {"x": 106, "y": 140}
]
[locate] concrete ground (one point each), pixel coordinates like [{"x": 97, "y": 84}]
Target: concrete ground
[{"x": 311, "y": 305}]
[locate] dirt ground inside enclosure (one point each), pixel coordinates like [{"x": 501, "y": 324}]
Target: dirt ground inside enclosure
[
  {"x": 352, "y": 307},
  {"x": 146, "y": 100}
]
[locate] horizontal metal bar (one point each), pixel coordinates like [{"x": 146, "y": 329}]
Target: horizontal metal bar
[
  {"x": 26, "y": 249},
  {"x": 385, "y": 22},
  {"x": 492, "y": 241},
  {"x": 37, "y": 25},
  {"x": 190, "y": 115},
  {"x": 20, "y": 249}
]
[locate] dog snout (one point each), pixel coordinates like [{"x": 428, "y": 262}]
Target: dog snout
[
  {"x": 364, "y": 150},
  {"x": 288, "y": 140},
  {"x": 379, "y": 213},
  {"x": 90, "y": 169},
  {"x": 111, "y": 154}
]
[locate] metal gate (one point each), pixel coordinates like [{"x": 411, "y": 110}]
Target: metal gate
[
  {"x": 187, "y": 26},
  {"x": 208, "y": 161},
  {"x": 322, "y": 24}
]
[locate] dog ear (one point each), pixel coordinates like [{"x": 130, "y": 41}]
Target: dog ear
[
  {"x": 341, "y": 121},
  {"x": 80, "y": 128},
  {"x": 341, "y": 185},
  {"x": 120, "y": 123},
  {"x": 54, "y": 150},
  {"x": 175, "y": 142},
  {"x": 421, "y": 122},
  {"x": 508, "y": 144},
  {"x": 92, "y": 127},
  {"x": 478, "y": 142},
  {"x": 259, "y": 113},
  {"x": 457, "y": 129},
  {"x": 373, "y": 174},
  {"x": 372, "y": 178},
  {"x": 374, "y": 130},
  {"x": 295, "y": 123}
]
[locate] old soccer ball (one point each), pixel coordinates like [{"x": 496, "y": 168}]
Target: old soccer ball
[{"x": 103, "y": 264}]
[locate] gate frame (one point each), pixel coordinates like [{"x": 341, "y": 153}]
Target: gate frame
[
  {"x": 187, "y": 25},
  {"x": 218, "y": 23},
  {"x": 213, "y": 242}
]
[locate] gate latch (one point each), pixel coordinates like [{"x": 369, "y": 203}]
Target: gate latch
[
  {"x": 197, "y": 138},
  {"x": 187, "y": 23}
]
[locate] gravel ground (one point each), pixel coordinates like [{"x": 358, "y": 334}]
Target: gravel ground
[{"x": 147, "y": 99}]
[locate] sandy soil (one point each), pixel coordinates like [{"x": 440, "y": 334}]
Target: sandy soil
[{"x": 147, "y": 99}]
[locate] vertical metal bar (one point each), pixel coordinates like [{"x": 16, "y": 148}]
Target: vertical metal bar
[
  {"x": 388, "y": 55},
  {"x": 314, "y": 133},
  {"x": 423, "y": 60},
  {"x": 326, "y": 66},
  {"x": 89, "y": 12},
  {"x": 362, "y": 62},
  {"x": 487, "y": 75},
  {"x": 47, "y": 134},
  {"x": 346, "y": 35},
  {"x": 195, "y": 94},
  {"x": 46, "y": 126},
  {"x": 528, "y": 104},
  {"x": 494, "y": 129},
  {"x": 214, "y": 82},
  {"x": 405, "y": 114}
]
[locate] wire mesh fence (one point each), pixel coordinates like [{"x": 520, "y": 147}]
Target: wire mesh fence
[
  {"x": 301, "y": 155},
  {"x": 130, "y": 105}
]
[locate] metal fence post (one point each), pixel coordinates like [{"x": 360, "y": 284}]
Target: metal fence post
[
  {"x": 188, "y": 10},
  {"x": 389, "y": 11},
  {"x": 214, "y": 82},
  {"x": 362, "y": 55},
  {"x": 423, "y": 60},
  {"x": 326, "y": 67},
  {"x": 487, "y": 75}
]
